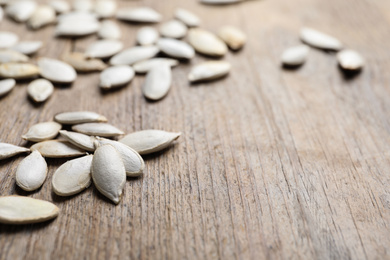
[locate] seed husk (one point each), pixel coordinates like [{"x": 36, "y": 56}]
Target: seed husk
[
  {"x": 108, "y": 172},
  {"x": 144, "y": 66},
  {"x": 79, "y": 117},
  {"x": 82, "y": 5},
  {"x": 60, "y": 6},
  {"x": 209, "y": 70},
  {"x": 175, "y": 48},
  {"x": 132, "y": 55},
  {"x": 105, "y": 8},
  {"x": 25, "y": 210},
  {"x": 80, "y": 63},
  {"x": 6, "y": 85},
  {"x": 73, "y": 176},
  {"x": 158, "y": 82},
  {"x": 40, "y": 90},
  {"x": 78, "y": 17},
  {"x": 350, "y": 60},
  {"x": 9, "y": 150},
  {"x": 147, "y": 36},
  {"x": 232, "y": 36},
  {"x": 77, "y": 27},
  {"x": 140, "y": 15},
  {"x": 116, "y": 76},
  {"x": 149, "y": 141},
  {"x": 42, "y": 131},
  {"x": 43, "y": 15},
  {"x": 18, "y": 70},
  {"x": 56, "y": 70},
  {"x": 206, "y": 42},
  {"x": 295, "y": 56},
  {"x": 57, "y": 149},
  {"x": 134, "y": 164},
  {"x": 103, "y": 49},
  {"x": 31, "y": 172},
  {"x": 109, "y": 30},
  {"x": 190, "y": 19},
  {"x": 8, "y": 39},
  {"x": 21, "y": 10},
  {"x": 27, "y": 47},
  {"x": 82, "y": 141},
  {"x": 173, "y": 29},
  {"x": 320, "y": 40},
  {"x": 12, "y": 56},
  {"x": 97, "y": 129}
]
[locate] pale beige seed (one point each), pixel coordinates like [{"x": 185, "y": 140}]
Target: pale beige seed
[
  {"x": 12, "y": 56},
  {"x": 190, "y": 19},
  {"x": 116, "y": 76},
  {"x": 232, "y": 36},
  {"x": 82, "y": 5},
  {"x": 175, "y": 48},
  {"x": 173, "y": 29},
  {"x": 9, "y": 150},
  {"x": 31, "y": 172},
  {"x": 43, "y": 15},
  {"x": 73, "y": 176},
  {"x": 206, "y": 42},
  {"x": 320, "y": 40},
  {"x": 77, "y": 27},
  {"x": 79, "y": 117},
  {"x": 82, "y": 141},
  {"x": 209, "y": 70},
  {"x": 42, "y": 131},
  {"x": 60, "y": 6},
  {"x": 77, "y": 17},
  {"x": 134, "y": 164},
  {"x": 97, "y": 129},
  {"x": 21, "y": 10},
  {"x": 149, "y": 141},
  {"x": 103, "y": 49},
  {"x": 40, "y": 90},
  {"x": 158, "y": 82},
  {"x": 147, "y": 36},
  {"x": 140, "y": 14},
  {"x": 56, "y": 70},
  {"x": 109, "y": 30},
  {"x": 18, "y": 70},
  {"x": 132, "y": 55},
  {"x": 8, "y": 39},
  {"x": 25, "y": 210},
  {"x": 57, "y": 149},
  {"x": 6, "y": 85},
  {"x": 295, "y": 56},
  {"x": 105, "y": 8},
  {"x": 146, "y": 65},
  {"x": 80, "y": 63},
  {"x": 350, "y": 60},
  {"x": 108, "y": 172},
  {"x": 27, "y": 47}
]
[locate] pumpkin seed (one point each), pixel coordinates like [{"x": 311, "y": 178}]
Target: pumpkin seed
[
  {"x": 350, "y": 60},
  {"x": 60, "y": 6},
  {"x": 18, "y": 70},
  {"x": 40, "y": 90},
  {"x": 99, "y": 129},
  {"x": 9, "y": 150},
  {"x": 108, "y": 172},
  {"x": 232, "y": 36},
  {"x": 80, "y": 63},
  {"x": 12, "y": 56},
  {"x": 103, "y": 49},
  {"x": 175, "y": 48},
  {"x": 209, "y": 70},
  {"x": 42, "y": 131},
  {"x": 140, "y": 14},
  {"x": 77, "y": 27},
  {"x": 1, "y": 14},
  {"x": 320, "y": 40},
  {"x": 220, "y": 2},
  {"x": 82, "y": 5},
  {"x": 295, "y": 56},
  {"x": 206, "y": 43},
  {"x": 31, "y": 172},
  {"x": 57, "y": 149},
  {"x": 149, "y": 141},
  {"x": 190, "y": 19},
  {"x": 43, "y": 15},
  {"x": 133, "y": 55},
  {"x": 109, "y": 30},
  {"x": 158, "y": 82},
  {"x": 21, "y": 10},
  {"x": 27, "y": 47},
  {"x": 116, "y": 76},
  {"x": 146, "y": 65},
  {"x": 82, "y": 141},
  {"x": 147, "y": 36},
  {"x": 73, "y": 176},
  {"x": 25, "y": 210},
  {"x": 105, "y": 8},
  {"x": 6, "y": 85},
  {"x": 56, "y": 70},
  {"x": 79, "y": 117},
  {"x": 77, "y": 16},
  {"x": 8, "y": 39},
  {"x": 173, "y": 29}
]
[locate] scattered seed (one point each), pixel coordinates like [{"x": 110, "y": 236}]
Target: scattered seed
[
  {"x": 158, "y": 82},
  {"x": 105, "y": 8},
  {"x": 42, "y": 131},
  {"x": 12, "y": 56},
  {"x": 80, "y": 63},
  {"x": 60, "y": 6},
  {"x": 82, "y": 141},
  {"x": 350, "y": 60},
  {"x": 140, "y": 14},
  {"x": 232, "y": 36},
  {"x": 103, "y": 49},
  {"x": 21, "y": 10},
  {"x": 8, "y": 39},
  {"x": 6, "y": 85},
  {"x": 43, "y": 15},
  {"x": 320, "y": 40},
  {"x": 77, "y": 16},
  {"x": 9, "y": 150},
  {"x": 109, "y": 30},
  {"x": 295, "y": 56},
  {"x": 56, "y": 70},
  {"x": 206, "y": 43},
  {"x": 146, "y": 65},
  {"x": 98, "y": 129},
  {"x": 57, "y": 149},
  {"x": 40, "y": 90},
  {"x": 77, "y": 27},
  {"x": 18, "y": 70},
  {"x": 173, "y": 29},
  {"x": 147, "y": 36},
  {"x": 116, "y": 76},
  {"x": 133, "y": 55},
  {"x": 82, "y": 5},
  {"x": 175, "y": 48},
  {"x": 28, "y": 47},
  {"x": 31, "y": 172},
  {"x": 190, "y": 19},
  {"x": 79, "y": 117},
  {"x": 209, "y": 70}
]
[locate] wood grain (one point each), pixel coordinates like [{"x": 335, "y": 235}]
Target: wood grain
[{"x": 272, "y": 163}]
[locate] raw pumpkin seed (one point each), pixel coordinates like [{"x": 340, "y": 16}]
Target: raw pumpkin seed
[
  {"x": 42, "y": 131},
  {"x": 206, "y": 43},
  {"x": 190, "y": 19},
  {"x": 80, "y": 63},
  {"x": 8, "y": 39},
  {"x": 77, "y": 27},
  {"x": 232, "y": 36},
  {"x": 173, "y": 29},
  {"x": 6, "y": 85},
  {"x": 57, "y": 149},
  {"x": 12, "y": 56},
  {"x": 31, "y": 172},
  {"x": 56, "y": 70},
  {"x": 103, "y": 49},
  {"x": 60, "y": 6},
  {"x": 78, "y": 17},
  {"x": 116, "y": 76},
  {"x": 320, "y": 40},
  {"x": 40, "y": 90},
  {"x": 79, "y": 117},
  {"x": 146, "y": 65},
  {"x": 133, "y": 55},
  {"x": 82, "y": 141},
  {"x": 105, "y": 8},
  {"x": 18, "y": 70},
  {"x": 209, "y": 70},
  {"x": 147, "y": 36},
  {"x": 295, "y": 56},
  {"x": 158, "y": 82},
  {"x": 98, "y": 129},
  {"x": 350, "y": 60},
  {"x": 175, "y": 48},
  {"x": 21, "y": 10},
  {"x": 9, "y": 150},
  {"x": 27, "y": 47},
  {"x": 82, "y": 5},
  {"x": 140, "y": 14},
  {"x": 43, "y": 15},
  {"x": 109, "y": 30}
]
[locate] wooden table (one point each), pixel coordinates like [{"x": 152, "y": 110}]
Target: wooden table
[{"x": 272, "y": 163}]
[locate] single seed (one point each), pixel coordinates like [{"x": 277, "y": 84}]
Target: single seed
[
  {"x": 232, "y": 36},
  {"x": 295, "y": 56},
  {"x": 40, "y": 90},
  {"x": 350, "y": 60},
  {"x": 206, "y": 43},
  {"x": 173, "y": 29},
  {"x": 18, "y": 70},
  {"x": 8, "y": 39},
  {"x": 175, "y": 48},
  {"x": 133, "y": 55},
  {"x": 98, "y": 129},
  {"x": 103, "y": 49},
  {"x": 209, "y": 70},
  {"x": 82, "y": 5},
  {"x": 6, "y": 85},
  {"x": 21, "y": 10},
  {"x": 77, "y": 27},
  {"x": 9, "y": 150},
  {"x": 57, "y": 149},
  {"x": 43, "y": 15},
  {"x": 60, "y": 6},
  {"x": 31, "y": 172},
  {"x": 42, "y": 131},
  {"x": 56, "y": 70},
  {"x": 140, "y": 14},
  {"x": 116, "y": 76},
  {"x": 320, "y": 40},
  {"x": 78, "y": 17},
  {"x": 147, "y": 36},
  {"x": 27, "y": 47},
  {"x": 79, "y": 117},
  {"x": 109, "y": 30},
  {"x": 158, "y": 82},
  {"x": 105, "y": 8},
  {"x": 82, "y": 141},
  {"x": 190, "y": 19},
  {"x": 12, "y": 56},
  {"x": 146, "y": 65},
  {"x": 80, "y": 63}
]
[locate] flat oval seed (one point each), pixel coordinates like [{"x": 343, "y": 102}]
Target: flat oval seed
[
  {"x": 40, "y": 90},
  {"x": 116, "y": 76},
  {"x": 25, "y": 210},
  {"x": 56, "y": 70},
  {"x": 109, "y": 30},
  {"x": 82, "y": 141},
  {"x": 98, "y": 129},
  {"x": 320, "y": 40},
  {"x": 12, "y": 56},
  {"x": 31, "y": 172},
  {"x": 350, "y": 60},
  {"x": 140, "y": 14},
  {"x": 57, "y": 149},
  {"x": 175, "y": 48},
  {"x": 173, "y": 29},
  {"x": 133, "y": 55},
  {"x": 147, "y": 36},
  {"x": 146, "y": 65},
  {"x": 42, "y": 16},
  {"x": 295, "y": 56},
  {"x": 6, "y": 85},
  {"x": 8, "y": 39},
  {"x": 78, "y": 17},
  {"x": 80, "y": 63},
  {"x": 60, "y": 6},
  {"x": 206, "y": 43},
  {"x": 42, "y": 131},
  {"x": 149, "y": 141},
  {"x": 77, "y": 27},
  {"x": 105, "y": 8},
  {"x": 18, "y": 70},
  {"x": 21, "y": 10},
  {"x": 73, "y": 176},
  {"x": 209, "y": 70},
  {"x": 103, "y": 49},
  {"x": 190, "y": 19},
  {"x": 232, "y": 36},
  {"x": 108, "y": 172},
  {"x": 82, "y": 5},
  {"x": 9, "y": 150},
  {"x": 158, "y": 82},
  {"x": 79, "y": 117},
  {"x": 27, "y": 47}
]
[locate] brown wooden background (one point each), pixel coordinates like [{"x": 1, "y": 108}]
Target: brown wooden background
[{"x": 272, "y": 163}]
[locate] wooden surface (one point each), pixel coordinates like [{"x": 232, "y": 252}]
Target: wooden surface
[{"x": 272, "y": 163}]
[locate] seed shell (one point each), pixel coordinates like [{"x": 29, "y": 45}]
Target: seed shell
[
  {"x": 132, "y": 55},
  {"x": 209, "y": 70},
  {"x": 109, "y": 30},
  {"x": 175, "y": 48},
  {"x": 9, "y": 150},
  {"x": 158, "y": 82},
  {"x": 21, "y": 10},
  {"x": 40, "y": 90},
  {"x": 295, "y": 56},
  {"x": 43, "y": 15},
  {"x": 98, "y": 129},
  {"x": 190, "y": 19},
  {"x": 57, "y": 149},
  {"x": 82, "y": 5},
  {"x": 18, "y": 70},
  {"x": 105, "y": 8},
  {"x": 79, "y": 117},
  {"x": 60, "y": 6},
  {"x": 103, "y": 49},
  {"x": 146, "y": 65},
  {"x": 320, "y": 40},
  {"x": 80, "y": 63},
  {"x": 173, "y": 29},
  {"x": 116, "y": 76},
  {"x": 27, "y": 47},
  {"x": 12, "y": 56},
  {"x": 42, "y": 131},
  {"x": 232, "y": 36},
  {"x": 147, "y": 36},
  {"x": 82, "y": 141},
  {"x": 206, "y": 42},
  {"x": 8, "y": 39},
  {"x": 6, "y": 85},
  {"x": 350, "y": 60},
  {"x": 140, "y": 15},
  {"x": 56, "y": 70},
  {"x": 77, "y": 27},
  {"x": 31, "y": 172}
]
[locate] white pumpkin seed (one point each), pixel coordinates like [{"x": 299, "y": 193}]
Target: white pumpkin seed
[
  {"x": 82, "y": 141},
  {"x": 320, "y": 40},
  {"x": 6, "y": 85},
  {"x": 99, "y": 129},
  {"x": 209, "y": 70},
  {"x": 232, "y": 36},
  {"x": 350, "y": 60},
  {"x": 12, "y": 56},
  {"x": 134, "y": 164},
  {"x": 206, "y": 43},
  {"x": 60, "y": 6},
  {"x": 31, "y": 172},
  {"x": 43, "y": 15},
  {"x": 132, "y": 55},
  {"x": 173, "y": 29},
  {"x": 79, "y": 117},
  {"x": 105, "y": 8},
  {"x": 25, "y": 210},
  {"x": 146, "y": 65},
  {"x": 77, "y": 27},
  {"x": 21, "y": 10},
  {"x": 27, "y": 47},
  {"x": 103, "y": 49},
  {"x": 116, "y": 76},
  {"x": 8, "y": 39},
  {"x": 42, "y": 131},
  {"x": 78, "y": 17},
  {"x": 40, "y": 90},
  {"x": 149, "y": 141},
  {"x": 108, "y": 172},
  {"x": 109, "y": 30},
  {"x": 73, "y": 176},
  {"x": 147, "y": 36},
  {"x": 18, "y": 70},
  {"x": 80, "y": 63},
  {"x": 190, "y": 19},
  {"x": 56, "y": 70},
  {"x": 295, "y": 56},
  {"x": 158, "y": 82},
  {"x": 57, "y": 149},
  {"x": 140, "y": 14},
  {"x": 82, "y": 5},
  {"x": 175, "y": 48},
  {"x": 9, "y": 150}
]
